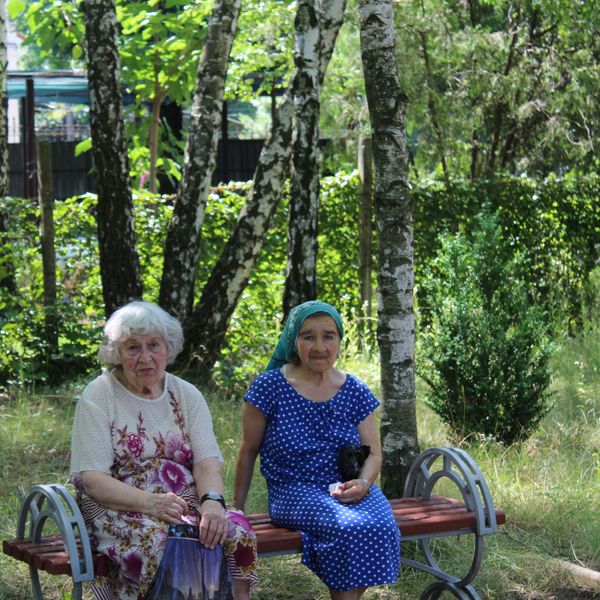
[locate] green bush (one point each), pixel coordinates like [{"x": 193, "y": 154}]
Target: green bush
[
  {"x": 553, "y": 226},
  {"x": 486, "y": 353}
]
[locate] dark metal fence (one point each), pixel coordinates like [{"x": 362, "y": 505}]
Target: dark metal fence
[{"x": 74, "y": 175}]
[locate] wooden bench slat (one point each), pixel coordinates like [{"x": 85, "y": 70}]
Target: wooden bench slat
[
  {"x": 49, "y": 555},
  {"x": 55, "y": 563},
  {"x": 414, "y": 517}
]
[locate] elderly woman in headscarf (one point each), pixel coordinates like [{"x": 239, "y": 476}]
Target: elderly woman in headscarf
[
  {"x": 298, "y": 415},
  {"x": 146, "y": 464}
]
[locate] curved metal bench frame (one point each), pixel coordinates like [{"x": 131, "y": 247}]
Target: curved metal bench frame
[
  {"x": 54, "y": 502},
  {"x": 460, "y": 468}
]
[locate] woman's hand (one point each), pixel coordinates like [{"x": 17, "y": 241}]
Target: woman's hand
[
  {"x": 352, "y": 491},
  {"x": 117, "y": 495},
  {"x": 167, "y": 507},
  {"x": 213, "y": 524}
]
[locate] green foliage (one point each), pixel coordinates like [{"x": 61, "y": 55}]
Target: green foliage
[
  {"x": 499, "y": 87},
  {"x": 261, "y": 56},
  {"x": 553, "y": 226},
  {"x": 160, "y": 44},
  {"x": 486, "y": 354},
  {"x": 78, "y": 310},
  {"x": 54, "y": 33},
  {"x": 493, "y": 87},
  {"x": 338, "y": 241}
]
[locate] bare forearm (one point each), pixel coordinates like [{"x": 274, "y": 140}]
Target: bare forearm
[
  {"x": 371, "y": 467},
  {"x": 208, "y": 476},
  {"x": 114, "y": 494},
  {"x": 243, "y": 478}
]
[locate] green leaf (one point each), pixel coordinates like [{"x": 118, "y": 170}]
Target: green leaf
[
  {"x": 83, "y": 146},
  {"x": 15, "y": 7},
  {"x": 77, "y": 52}
]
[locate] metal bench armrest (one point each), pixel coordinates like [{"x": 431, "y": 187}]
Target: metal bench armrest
[
  {"x": 460, "y": 468},
  {"x": 55, "y": 502}
]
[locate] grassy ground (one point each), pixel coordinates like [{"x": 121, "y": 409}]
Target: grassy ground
[{"x": 549, "y": 488}]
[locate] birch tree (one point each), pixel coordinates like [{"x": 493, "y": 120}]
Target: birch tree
[
  {"x": 301, "y": 268},
  {"x": 207, "y": 325},
  {"x": 183, "y": 237},
  {"x": 119, "y": 262},
  {"x": 394, "y": 220}
]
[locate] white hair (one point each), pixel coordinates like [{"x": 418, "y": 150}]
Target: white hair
[{"x": 140, "y": 318}]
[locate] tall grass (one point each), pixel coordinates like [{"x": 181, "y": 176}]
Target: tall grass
[{"x": 549, "y": 486}]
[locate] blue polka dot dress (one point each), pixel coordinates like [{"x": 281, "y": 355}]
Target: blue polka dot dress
[{"x": 347, "y": 545}]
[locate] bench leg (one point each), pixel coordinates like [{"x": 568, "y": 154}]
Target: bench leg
[
  {"x": 458, "y": 467},
  {"x": 432, "y": 567},
  {"x": 435, "y": 590},
  {"x": 36, "y": 588},
  {"x": 471, "y": 573}
]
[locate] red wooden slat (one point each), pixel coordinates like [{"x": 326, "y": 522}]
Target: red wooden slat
[
  {"x": 413, "y": 516},
  {"x": 55, "y": 563}
]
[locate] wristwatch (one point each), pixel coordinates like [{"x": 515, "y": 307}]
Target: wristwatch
[{"x": 213, "y": 496}]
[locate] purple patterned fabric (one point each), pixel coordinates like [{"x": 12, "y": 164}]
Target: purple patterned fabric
[{"x": 153, "y": 455}]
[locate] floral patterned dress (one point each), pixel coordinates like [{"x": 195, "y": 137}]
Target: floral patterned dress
[{"x": 151, "y": 445}]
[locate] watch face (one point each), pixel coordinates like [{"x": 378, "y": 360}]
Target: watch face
[{"x": 213, "y": 496}]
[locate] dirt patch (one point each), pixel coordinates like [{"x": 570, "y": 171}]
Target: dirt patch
[{"x": 560, "y": 594}]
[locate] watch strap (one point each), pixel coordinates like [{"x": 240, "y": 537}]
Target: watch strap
[{"x": 213, "y": 496}]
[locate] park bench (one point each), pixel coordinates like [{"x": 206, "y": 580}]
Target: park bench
[{"x": 420, "y": 514}]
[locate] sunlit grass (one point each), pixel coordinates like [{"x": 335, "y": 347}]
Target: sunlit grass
[{"x": 548, "y": 486}]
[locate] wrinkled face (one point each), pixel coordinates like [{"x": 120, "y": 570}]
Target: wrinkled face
[
  {"x": 318, "y": 343},
  {"x": 143, "y": 361}
]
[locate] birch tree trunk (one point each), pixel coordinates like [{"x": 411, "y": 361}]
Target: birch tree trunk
[
  {"x": 394, "y": 219},
  {"x": 7, "y": 272},
  {"x": 119, "y": 262},
  {"x": 183, "y": 237},
  {"x": 206, "y": 328},
  {"x": 301, "y": 268}
]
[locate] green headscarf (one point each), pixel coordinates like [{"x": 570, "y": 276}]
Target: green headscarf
[{"x": 285, "y": 351}]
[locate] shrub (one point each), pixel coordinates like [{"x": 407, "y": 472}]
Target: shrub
[{"x": 485, "y": 355}]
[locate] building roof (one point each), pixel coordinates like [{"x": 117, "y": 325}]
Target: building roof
[{"x": 69, "y": 87}]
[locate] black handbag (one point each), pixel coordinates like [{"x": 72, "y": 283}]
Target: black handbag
[{"x": 350, "y": 460}]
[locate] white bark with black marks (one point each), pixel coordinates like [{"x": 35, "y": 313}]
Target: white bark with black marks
[
  {"x": 119, "y": 262},
  {"x": 183, "y": 237},
  {"x": 207, "y": 325},
  {"x": 394, "y": 219},
  {"x": 301, "y": 268}
]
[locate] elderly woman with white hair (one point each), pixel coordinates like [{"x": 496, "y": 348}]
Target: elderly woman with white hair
[{"x": 145, "y": 462}]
